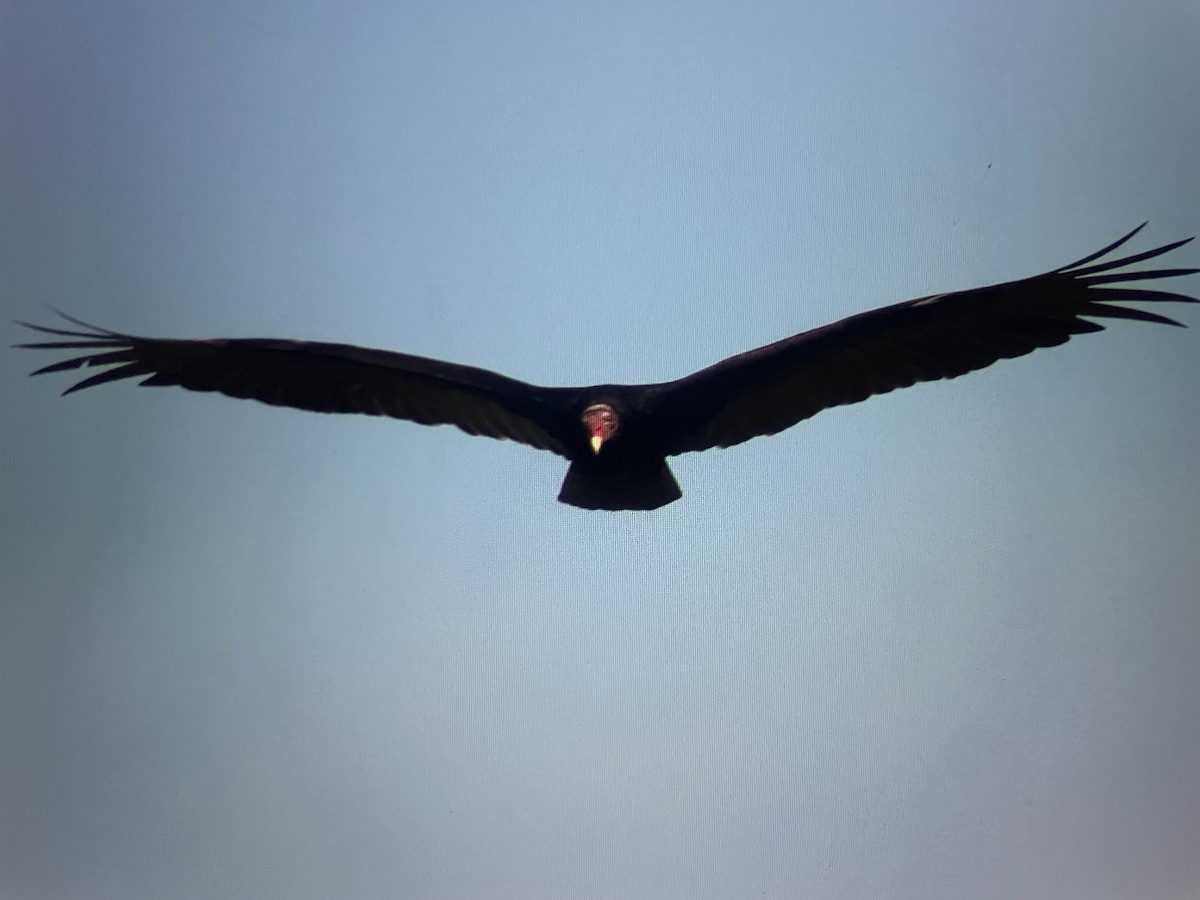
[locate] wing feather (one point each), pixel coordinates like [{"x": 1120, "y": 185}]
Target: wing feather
[
  {"x": 322, "y": 377},
  {"x": 772, "y": 388}
]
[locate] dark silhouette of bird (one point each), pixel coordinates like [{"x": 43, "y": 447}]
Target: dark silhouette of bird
[{"x": 617, "y": 437}]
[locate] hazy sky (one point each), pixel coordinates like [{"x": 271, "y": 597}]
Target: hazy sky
[{"x": 938, "y": 645}]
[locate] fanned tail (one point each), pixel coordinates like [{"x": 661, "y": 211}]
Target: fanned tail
[{"x": 645, "y": 488}]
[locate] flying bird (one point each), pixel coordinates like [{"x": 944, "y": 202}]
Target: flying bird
[{"x": 616, "y": 436}]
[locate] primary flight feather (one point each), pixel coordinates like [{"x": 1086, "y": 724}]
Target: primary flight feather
[{"x": 617, "y": 437}]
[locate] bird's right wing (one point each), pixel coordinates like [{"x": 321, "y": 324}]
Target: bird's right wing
[
  {"x": 772, "y": 388},
  {"x": 322, "y": 377}
]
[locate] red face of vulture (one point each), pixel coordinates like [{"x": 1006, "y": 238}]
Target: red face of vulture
[{"x": 601, "y": 422}]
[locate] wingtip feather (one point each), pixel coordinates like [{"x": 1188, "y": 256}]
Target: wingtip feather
[
  {"x": 1104, "y": 250},
  {"x": 83, "y": 324},
  {"x": 1112, "y": 264},
  {"x": 1126, "y": 312}
]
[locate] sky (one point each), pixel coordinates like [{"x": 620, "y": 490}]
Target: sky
[{"x": 936, "y": 645}]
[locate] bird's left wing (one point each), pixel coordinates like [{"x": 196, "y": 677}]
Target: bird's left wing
[
  {"x": 322, "y": 377},
  {"x": 772, "y": 388}
]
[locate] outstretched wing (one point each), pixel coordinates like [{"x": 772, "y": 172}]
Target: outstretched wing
[
  {"x": 321, "y": 377},
  {"x": 772, "y": 388}
]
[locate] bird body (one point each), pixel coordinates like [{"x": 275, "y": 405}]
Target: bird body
[{"x": 617, "y": 437}]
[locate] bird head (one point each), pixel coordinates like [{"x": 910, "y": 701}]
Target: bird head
[{"x": 601, "y": 422}]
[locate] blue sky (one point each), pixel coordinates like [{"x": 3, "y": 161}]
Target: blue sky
[{"x": 940, "y": 644}]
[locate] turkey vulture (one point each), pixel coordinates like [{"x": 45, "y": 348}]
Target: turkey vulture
[{"x": 617, "y": 437}]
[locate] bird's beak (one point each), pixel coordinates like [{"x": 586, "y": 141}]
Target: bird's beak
[{"x": 596, "y": 443}]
